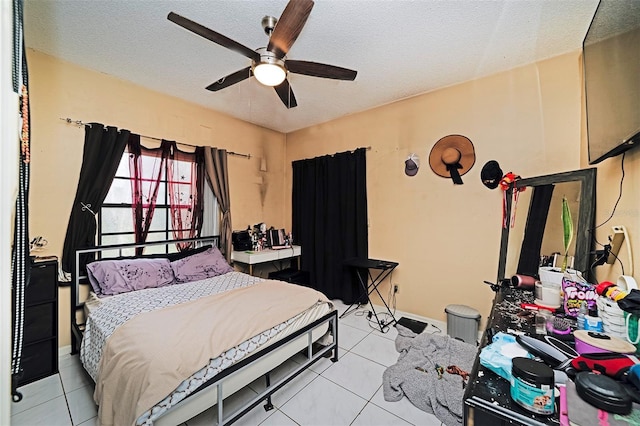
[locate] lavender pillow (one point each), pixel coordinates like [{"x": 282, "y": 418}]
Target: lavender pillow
[
  {"x": 207, "y": 264},
  {"x": 109, "y": 277}
]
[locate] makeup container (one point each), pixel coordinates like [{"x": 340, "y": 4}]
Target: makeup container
[{"x": 532, "y": 385}]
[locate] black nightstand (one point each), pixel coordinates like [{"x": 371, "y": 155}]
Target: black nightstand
[{"x": 40, "y": 348}]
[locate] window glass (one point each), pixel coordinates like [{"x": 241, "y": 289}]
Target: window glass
[
  {"x": 159, "y": 220},
  {"x": 123, "y": 167},
  {"x": 116, "y": 219},
  {"x": 120, "y": 192}
]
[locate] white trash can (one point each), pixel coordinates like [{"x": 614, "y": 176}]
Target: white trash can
[{"x": 462, "y": 323}]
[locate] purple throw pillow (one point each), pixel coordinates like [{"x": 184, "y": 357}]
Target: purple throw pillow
[
  {"x": 207, "y": 264},
  {"x": 110, "y": 277}
]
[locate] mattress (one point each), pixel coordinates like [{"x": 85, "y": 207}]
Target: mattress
[{"x": 105, "y": 315}]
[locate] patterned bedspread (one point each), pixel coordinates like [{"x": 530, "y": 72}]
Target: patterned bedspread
[{"x": 116, "y": 310}]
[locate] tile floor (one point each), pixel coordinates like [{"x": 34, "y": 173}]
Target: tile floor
[{"x": 348, "y": 392}]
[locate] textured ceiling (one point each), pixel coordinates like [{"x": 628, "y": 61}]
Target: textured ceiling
[{"x": 399, "y": 48}]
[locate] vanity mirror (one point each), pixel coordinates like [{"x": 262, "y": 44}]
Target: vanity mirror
[{"x": 537, "y": 222}]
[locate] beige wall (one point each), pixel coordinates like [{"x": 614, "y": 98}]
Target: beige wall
[
  {"x": 59, "y": 89},
  {"x": 445, "y": 237},
  {"x": 627, "y": 213}
]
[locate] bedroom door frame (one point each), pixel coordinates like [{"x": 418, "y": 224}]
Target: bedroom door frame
[{"x": 8, "y": 191}]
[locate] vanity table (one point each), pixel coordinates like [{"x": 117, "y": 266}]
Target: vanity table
[
  {"x": 487, "y": 398},
  {"x": 537, "y": 230},
  {"x": 252, "y": 258}
]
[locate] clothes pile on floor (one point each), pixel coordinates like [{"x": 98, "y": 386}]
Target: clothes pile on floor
[{"x": 431, "y": 372}]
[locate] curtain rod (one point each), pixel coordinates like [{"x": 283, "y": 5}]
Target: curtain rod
[{"x": 81, "y": 123}]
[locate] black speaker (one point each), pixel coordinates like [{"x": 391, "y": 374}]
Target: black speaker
[{"x": 241, "y": 240}]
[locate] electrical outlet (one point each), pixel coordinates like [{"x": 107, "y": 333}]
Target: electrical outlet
[
  {"x": 395, "y": 289},
  {"x": 616, "y": 241}
]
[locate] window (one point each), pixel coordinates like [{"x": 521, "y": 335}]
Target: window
[{"x": 116, "y": 221}]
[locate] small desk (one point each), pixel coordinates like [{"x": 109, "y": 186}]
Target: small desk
[
  {"x": 263, "y": 256},
  {"x": 369, "y": 283}
]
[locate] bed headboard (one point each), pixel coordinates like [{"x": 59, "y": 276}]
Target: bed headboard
[{"x": 116, "y": 251}]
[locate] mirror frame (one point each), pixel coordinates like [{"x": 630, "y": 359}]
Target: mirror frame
[{"x": 586, "y": 216}]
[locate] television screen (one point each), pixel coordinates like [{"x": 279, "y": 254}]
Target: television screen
[{"x": 611, "y": 58}]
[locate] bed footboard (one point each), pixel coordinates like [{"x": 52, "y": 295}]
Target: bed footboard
[{"x": 263, "y": 361}]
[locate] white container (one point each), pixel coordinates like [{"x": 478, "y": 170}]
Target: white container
[
  {"x": 553, "y": 275},
  {"x": 547, "y": 294},
  {"x": 462, "y": 323}
]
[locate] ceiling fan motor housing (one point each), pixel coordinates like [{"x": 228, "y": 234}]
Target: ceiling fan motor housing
[
  {"x": 268, "y": 24},
  {"x": 267, "y": 57}
]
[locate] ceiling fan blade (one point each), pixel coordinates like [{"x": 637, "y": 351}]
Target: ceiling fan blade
[
  {"x": 232, "y": 78},
  {"x": 289, "y": 26},
  {"x": 316, "y": 69},
  {"x": 286, "y": 94},
  {"x": 215, "y": 37}
]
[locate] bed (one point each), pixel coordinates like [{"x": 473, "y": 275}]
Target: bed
[{"x": 166, "y": 336}]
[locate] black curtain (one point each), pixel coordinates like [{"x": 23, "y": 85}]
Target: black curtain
[
  {"x": 103, "y": 149},
  {"x": 534, "y": 230},
  {"x": 329, "y": 209}
]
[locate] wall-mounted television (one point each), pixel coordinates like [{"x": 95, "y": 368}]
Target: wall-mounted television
[{"x": 611, "y": 59}]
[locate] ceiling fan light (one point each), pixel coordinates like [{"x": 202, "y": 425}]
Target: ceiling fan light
[{"x": 269, "y": 74}]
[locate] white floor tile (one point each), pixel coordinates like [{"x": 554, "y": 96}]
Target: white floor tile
[
  {"x": 357, "y": 374},
  {"x": 37, "y": 392},
  {"x": 378, "y": 349},
  {"x": 406, "y": 410},
  {"x": 372, "y": 415},
  {"x": 390, "y": 332},
  {"x": 278, "y": 419},
  {"x": 349, "y": 336},
  {"x": 74, "y": 377},
  {"x": 322, "y": 401},
  {"x": 81, "y": 404},
  {"x": 51, "y": 413},
  {"x": 90, "y": 422},
  {"x": 68, "y": 360},
  {"x": 357, "y": 319}
]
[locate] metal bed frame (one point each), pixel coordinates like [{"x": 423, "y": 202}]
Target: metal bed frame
[{"x": 214, "y": 391}]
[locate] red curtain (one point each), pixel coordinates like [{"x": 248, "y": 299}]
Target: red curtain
[
  {"x": 185, "y": 177},
  {"x": 146, "y": 167}
]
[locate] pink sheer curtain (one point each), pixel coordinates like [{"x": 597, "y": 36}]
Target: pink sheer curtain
[
  {"x": 146, "y": 167},
  {"x": 185, "y": 178}
]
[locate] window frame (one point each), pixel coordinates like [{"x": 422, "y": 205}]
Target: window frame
[{"x": 166, "y": 233}]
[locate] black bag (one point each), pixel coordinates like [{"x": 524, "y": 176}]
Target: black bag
[{"x": 241, "y": 240}]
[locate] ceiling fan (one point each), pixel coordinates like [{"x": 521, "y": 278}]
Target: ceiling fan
[{"x": 269, "y": 64}]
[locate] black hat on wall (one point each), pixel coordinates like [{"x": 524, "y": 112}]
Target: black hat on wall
[{"x": 491, "y": 174}]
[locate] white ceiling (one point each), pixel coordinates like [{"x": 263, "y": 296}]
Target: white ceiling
[{"x": 399, "y": 48}]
